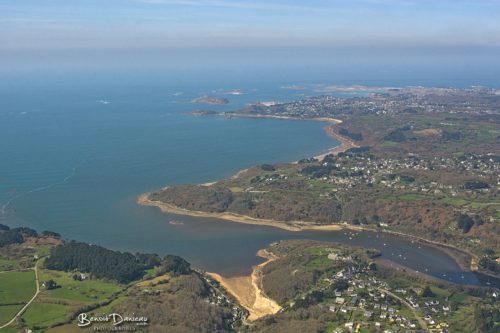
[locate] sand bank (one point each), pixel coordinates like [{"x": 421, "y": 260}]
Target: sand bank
[{"x": 248, "y": 289}]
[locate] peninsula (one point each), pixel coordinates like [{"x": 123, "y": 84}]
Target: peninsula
[{"x": 412, "y": 160}]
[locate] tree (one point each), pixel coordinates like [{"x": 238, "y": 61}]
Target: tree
[
  {"x": 50, "y": 284},
  {"x": 175, "y": 265},
  {"x": 99, "y": 261},
  {"x": 340, "y": 285},
  {"x": 476, "y": 185},
  {"x": 465, "y": 223},
  {"x": 352, "y": 135},
  {"x": 396, "y": 135},
  {"x": 52, "y": 234},
  {"x": 486, "y": 318},
  {"x": 428, "y": 292},
  {"x": 10, "y": 237},
  {"x": 267, "y": 167},
  {"x": 26, "y": 231}
]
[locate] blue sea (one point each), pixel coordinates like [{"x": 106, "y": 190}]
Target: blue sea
[{"x": 78, "y": 146}]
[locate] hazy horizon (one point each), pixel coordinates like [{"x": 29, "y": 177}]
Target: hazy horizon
[{"x": 133, "y": 33}]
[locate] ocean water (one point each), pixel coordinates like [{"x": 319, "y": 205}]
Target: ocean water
[
  {"x": 75, "y": 155},
  {"x": 76, "y": 149}
]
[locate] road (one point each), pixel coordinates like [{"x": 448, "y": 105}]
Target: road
[
  {"x": 422, "y": 322},
  {"x": 20, "y": 312}
]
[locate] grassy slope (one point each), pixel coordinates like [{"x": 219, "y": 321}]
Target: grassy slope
[{"x": 51, "y": 306}]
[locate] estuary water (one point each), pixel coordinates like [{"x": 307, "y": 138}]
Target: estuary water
[{"x": 75, "y": 152}]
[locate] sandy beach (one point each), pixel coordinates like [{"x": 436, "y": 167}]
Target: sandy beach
[
  {"x": 345, "y": 144},
  {"x": 286, "y": 225},
  {"x": 465, "y": 259},
  {"x": 462, "y": 257},
  {"x": 244, "y": 115},
  {"x": 248, "y": 289}
]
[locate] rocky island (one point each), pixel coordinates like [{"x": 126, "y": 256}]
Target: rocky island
[{"x": 210, "y": 100}]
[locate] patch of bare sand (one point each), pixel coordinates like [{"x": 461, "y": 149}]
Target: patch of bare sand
[
  {"x": 248, "y": 290},
  {"x": 345, "y": 144},
  {"x": 428, "y": 132}
]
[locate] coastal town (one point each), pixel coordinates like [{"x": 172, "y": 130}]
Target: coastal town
[
  {"x": 362, "y": 299},
  {"x": 422, "y": 159},
  {"x": 385, "y": 101},
  {"x": 348, "y": 170},
  {"x": 250, "y": 166},
  {"x": 429, "y": 176}
]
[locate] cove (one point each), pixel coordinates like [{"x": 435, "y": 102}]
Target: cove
[{"x": 75, "y": 165}]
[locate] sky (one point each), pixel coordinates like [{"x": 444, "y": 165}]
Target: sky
[{"x": 32, "y": 27}]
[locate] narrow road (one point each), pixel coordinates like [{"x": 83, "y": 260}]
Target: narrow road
[
  {"x": 35, "y": 268},
  {"x": 421, "y": 322}
]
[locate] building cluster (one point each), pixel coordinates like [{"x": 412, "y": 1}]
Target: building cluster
[
  {"x": 347, "y": 171},
  {"x": 473, "y": 101},
  {"x": 217, "y": 296},
  {"x": 366, "y": 301}
]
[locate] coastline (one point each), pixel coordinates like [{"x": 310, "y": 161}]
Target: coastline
[
  {"x": 296, "y": 226},
  {"x": 344, "y": 145},
  {"x": 387, "y": 263},
  {"x": 248, "y": 289},
  {"x": 466, "y": 260},
  {"x": 245, "y": 115},
  {"x": 461, "y": 257}
]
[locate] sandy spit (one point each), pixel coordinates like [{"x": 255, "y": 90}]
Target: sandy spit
[
  {"x": 286, "y": 225},
  {"x": 248, "y": 289}
]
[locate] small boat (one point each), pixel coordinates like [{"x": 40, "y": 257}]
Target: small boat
[{"x": 175, "y": 222}]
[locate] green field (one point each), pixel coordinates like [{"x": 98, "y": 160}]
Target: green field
[
  {"x": 44, "y": 314},
  {"x": 7, "y": 312},
  {"x": 320, "y": 259},
  {"x": 17, "y": 287},
  {"x": 318, "y": 263},
  {"x": 7, "y": 265},
  {"x": 51, "y": 306},
  {"x": 87, "y": 291},
  {"x": 10, "y": 329},
  {"x": 406, "y": 197},
  {"x": 455, "y": 201},
  {"x": 56, "y": 305}
]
